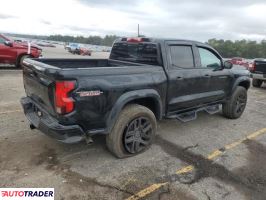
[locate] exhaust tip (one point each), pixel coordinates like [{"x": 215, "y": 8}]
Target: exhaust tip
[{"x": 88, "y": 140}]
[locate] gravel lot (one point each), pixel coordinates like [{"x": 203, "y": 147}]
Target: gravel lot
[{"x": 80, "y": 171}]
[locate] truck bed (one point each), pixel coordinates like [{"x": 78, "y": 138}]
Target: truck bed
[{"x": 40, "y": 76}]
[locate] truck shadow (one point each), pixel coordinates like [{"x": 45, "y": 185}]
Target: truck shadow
[{"x": 249, "y": 180}]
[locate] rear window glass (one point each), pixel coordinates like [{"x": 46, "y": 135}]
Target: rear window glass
[
  {"x": 145, "y": 53},
  {"x": 182, "y": 56}
]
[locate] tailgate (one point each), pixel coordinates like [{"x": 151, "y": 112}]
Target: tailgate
[
  {"x": 260, "y": 67},
  {"x": 38, "y": 86}
]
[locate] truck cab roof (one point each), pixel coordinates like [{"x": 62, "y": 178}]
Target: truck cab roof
[{"x": 149, "y": 50}]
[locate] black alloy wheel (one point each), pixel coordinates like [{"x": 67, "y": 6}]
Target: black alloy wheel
[
  {"x": 133, "y": 132},
  {"x": 236, "y": 105},
  {"x": 137, "y": 135},
  {"x": 241, "y": 103}
]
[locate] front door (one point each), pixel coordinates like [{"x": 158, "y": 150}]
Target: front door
[
  {"x": 6, "y": 52},
  {"x": 219, "y": 79}
]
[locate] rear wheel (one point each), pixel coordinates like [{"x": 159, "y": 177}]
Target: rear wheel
[
  {"x": 257, "y": 82},
  {"x": 234, "y": 108},
  {"x": 133, "y": 132},
  {"x": 20, "y": 60}
]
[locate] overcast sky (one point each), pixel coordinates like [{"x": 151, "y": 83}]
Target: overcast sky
[{"x": 188, "y": 19}]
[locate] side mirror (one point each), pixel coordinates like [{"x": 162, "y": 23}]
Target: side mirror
[
  {"x": 8, "y": 43},
  {"x": 228, "y": 65}
]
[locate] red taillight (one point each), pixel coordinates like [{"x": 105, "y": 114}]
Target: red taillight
[
  {"x": 63, "y": 103},
  {"x": 253, "y": 67}
]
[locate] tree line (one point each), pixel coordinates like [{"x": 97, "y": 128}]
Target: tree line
[
  {"x": 239, "y": 48},
  {"x": 94, "y": 40}
]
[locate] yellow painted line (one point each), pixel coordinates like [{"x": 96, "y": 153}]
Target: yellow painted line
[
  {"x": 214, "y": 154},
  {"x": 185, "y": 169},
  {"x": 249, "y": 137},
  {"x": 147, "y": 191},
  {"x": 256, "y": 134},
  {"x": 10, "y": 111},
  {"x": 189, "y": 168},
  {"x": 234, "y": 144}
]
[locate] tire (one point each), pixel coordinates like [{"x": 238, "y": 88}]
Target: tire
[
  {"x": 257, "y": 83},
  {"x": 20, "y": 60},
  {"x": 133, "y": 132},
  {"x": 235, "y": 107}
]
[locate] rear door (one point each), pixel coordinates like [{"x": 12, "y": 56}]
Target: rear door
[
  {"x": 187, "y": 84},
  {"x": 7, "y": 54}
]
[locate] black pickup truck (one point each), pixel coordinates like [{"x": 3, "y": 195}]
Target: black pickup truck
[
  {"x": 144, "y": 80},
  {"x": 258, "y": 72}
]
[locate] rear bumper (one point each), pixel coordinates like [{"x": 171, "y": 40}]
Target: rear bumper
[
  {"x": 259, "y": 76},
  {"x": 41, "y": 120}
]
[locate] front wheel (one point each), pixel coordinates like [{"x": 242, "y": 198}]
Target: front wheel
[
  {"x": 133, "y": 132},
  {"x": 234, "y": 108}
]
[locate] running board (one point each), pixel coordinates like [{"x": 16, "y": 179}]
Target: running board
[{"x": 192, "y": 115}]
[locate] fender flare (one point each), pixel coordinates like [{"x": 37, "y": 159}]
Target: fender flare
[
  {"x": 130, "y": 96},
  {"x": 240, "y": 80}
]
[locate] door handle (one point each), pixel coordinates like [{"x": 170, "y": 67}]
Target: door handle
[
  {"x": 223, "y": 77},
  {"x": 207, "y": 75},
  {"x": 179, "y": 78}
]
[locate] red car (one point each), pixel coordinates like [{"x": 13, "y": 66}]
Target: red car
[
  {"x": 84, "y": 51},
  {"x": 237, "y": 61},
  {"x": 14, "y": 52}
]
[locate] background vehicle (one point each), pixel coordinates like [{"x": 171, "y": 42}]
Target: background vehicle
[
  {"x": 73, "y": 48},
  {"x": 14, "y": 52},
  {"x": 45, "y": 44},
  {"x": 66, "y": 46},
  {"x": 248, "y": 64},
  {"x": 143, "y": 81},
  {"x": 84, "y": 51},
  {"x": 237, "y": 61},
  {"x": 258, "y": 72},
  {"x": 78, "y": 49}
]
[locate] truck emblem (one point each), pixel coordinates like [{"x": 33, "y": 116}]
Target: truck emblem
[{"x": 90, "y": 93}]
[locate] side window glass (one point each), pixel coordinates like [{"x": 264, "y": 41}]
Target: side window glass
[
  {"x": 182, "y": 56},
  {"x": 209, "y": 59}
]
